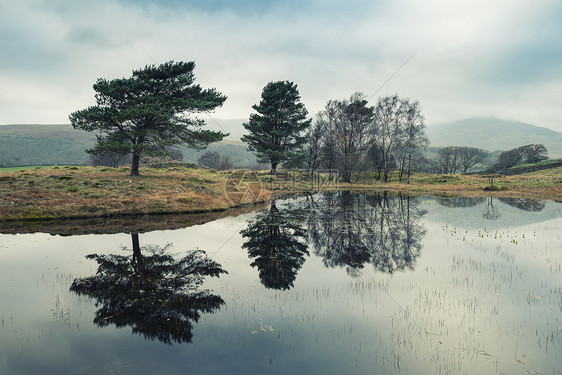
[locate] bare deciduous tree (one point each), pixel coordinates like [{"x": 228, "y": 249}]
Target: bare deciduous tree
[
  {"x": 412, "y": 137},
  {"x": 350, "y": 136},
  {"x": 387, "y": 129},
  {"x": 447, "y": 160},
  {"x": 211, "y": 159},
  {"x": 468, "y": 157},
  {"x": 533, "y": 153},
  {"x": 315, "y": 147},
  {"x": 349, "y": 122}
]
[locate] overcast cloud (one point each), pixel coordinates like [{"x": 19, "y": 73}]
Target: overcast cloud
[{"x": 468, "y": 58}]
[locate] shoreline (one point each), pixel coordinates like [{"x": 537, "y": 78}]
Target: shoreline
[{"x": 82, "y": 193}]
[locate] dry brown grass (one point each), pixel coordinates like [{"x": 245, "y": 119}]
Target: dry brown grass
[
  {"x": 82, "y": 192},
  {"x": 546, "y": 184}
]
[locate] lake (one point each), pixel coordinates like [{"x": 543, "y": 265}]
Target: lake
[{"x": 333, "y": 283}]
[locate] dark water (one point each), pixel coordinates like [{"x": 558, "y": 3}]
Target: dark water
[{"x": 341, "y": 283}]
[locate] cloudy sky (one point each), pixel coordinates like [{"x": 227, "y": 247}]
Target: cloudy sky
[{"x": 460, "y": 59}]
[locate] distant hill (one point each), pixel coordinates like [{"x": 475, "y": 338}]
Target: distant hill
[
  {"x": 494, "y": 134},
  {"x": 43, "y": 145},
  {"x": 232, "y": 126},
  {"x": 60, "y": 144},
  {"x": 238, "y": 152}
]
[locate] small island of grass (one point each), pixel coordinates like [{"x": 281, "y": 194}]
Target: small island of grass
[{"x": 44, "y": 193}]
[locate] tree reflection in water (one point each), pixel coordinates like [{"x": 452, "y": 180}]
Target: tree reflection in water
[
  {"x": 149, "y": 290},
  {"x": 464, "y": 202},
  {"x": 491, "y": 212},
  {"x": 339, "y": 230},
  {"x": 525, "y": 204},
  {"x": 276, "y": 242},
  {"x": 351, "y": 230},
  {"x": 345, "y": 229}
]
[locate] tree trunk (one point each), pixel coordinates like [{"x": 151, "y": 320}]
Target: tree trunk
[
  {"x": 409, "y": 168},
  {"x": 135, "y": 164},
  {"x": 402, "y": 169},
  {"x": 273, "y": 170}
]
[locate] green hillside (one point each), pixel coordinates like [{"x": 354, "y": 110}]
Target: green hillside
[
  {"x": 43, "y": 145},
  {"x": 60, "y": 144},
  {"x": 494, "y": 134},
  {"x": 238, "y": 152}
]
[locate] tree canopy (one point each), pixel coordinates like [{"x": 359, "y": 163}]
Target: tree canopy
[
  {"x": 451, "y": 159},
  {"x": 148, "y": 112},
  {"x": 211, "y": 159},
  {"x": 531, "y": 153},
  {"x": 276, "y": 131}
]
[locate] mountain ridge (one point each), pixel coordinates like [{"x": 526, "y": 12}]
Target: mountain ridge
[
  {"x": 51, "y": 144},
  {"x": 494, "y": 134},
  {"x": 34, "y": 144}
]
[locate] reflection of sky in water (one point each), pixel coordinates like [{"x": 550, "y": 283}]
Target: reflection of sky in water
[{"x": 481, "y": 299}]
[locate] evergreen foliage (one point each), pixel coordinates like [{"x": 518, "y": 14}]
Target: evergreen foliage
[
  {"x": 148, "y": 112},
  {"x": 276, "y": 131}
]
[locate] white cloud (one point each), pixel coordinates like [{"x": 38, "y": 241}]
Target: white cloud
[{"x": 472, "y": 58}]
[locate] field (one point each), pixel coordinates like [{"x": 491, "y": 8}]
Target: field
[
  {"x": 82, "y": 192},
  {"x": 18, "y": 169}
]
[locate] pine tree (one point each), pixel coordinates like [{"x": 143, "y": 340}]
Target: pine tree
[
  {"x": 148, "y": 112},
  {"x": 277, "y": 130}
]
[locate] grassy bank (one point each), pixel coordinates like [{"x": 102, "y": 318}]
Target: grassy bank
[
  {"x": 88, "y": 192},
  {"x": 545, "y": 184},
  {"x": 83, "y": 192}
]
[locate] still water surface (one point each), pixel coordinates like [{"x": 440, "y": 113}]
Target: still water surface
[{"x": 341, "y": 283}]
